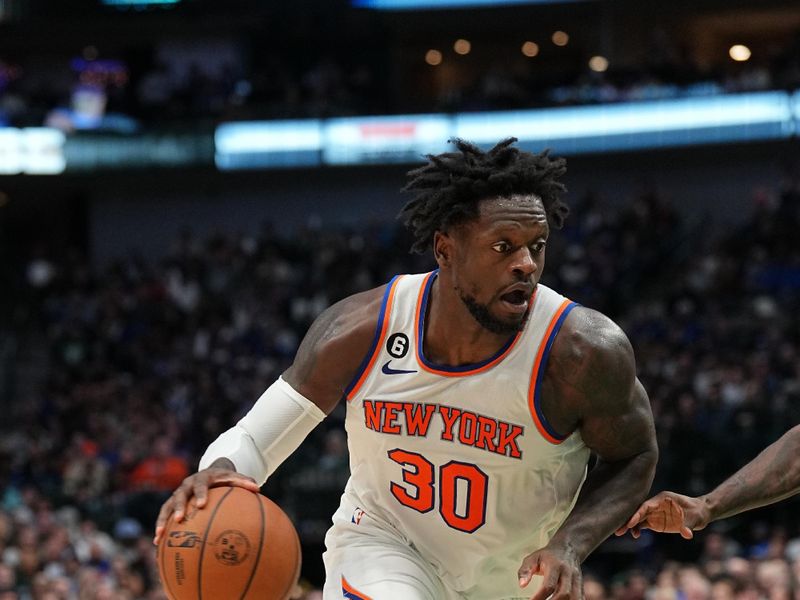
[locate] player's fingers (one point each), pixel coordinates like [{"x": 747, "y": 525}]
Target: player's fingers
[
  {"x": 635, "y": 519},
  {"x": 636, "y": 531},
  {"x": 686, "y": 533},
  {"x": 623, "y": 529},
  {"x": 549, "y": 584},
  {"x": 242, "y": 481},
  {"x": 200, "y": 491},
  {"x": 161, "y": 521},
  {"x": 566, "y": 587},
  {"x": 179, "y": 499},
  {"x": 529, "y": 566}
]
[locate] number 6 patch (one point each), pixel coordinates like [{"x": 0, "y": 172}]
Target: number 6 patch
[{"x": 397, "y": 345}]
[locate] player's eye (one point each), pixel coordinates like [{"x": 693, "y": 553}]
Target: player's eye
[
  {"x": 501, "y": 247},
  {"x": 538, "y": 247}
]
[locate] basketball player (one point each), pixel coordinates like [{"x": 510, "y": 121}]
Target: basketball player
[
  {"x": 772, "y": 476},
  {"x": 474, "y": 398}
]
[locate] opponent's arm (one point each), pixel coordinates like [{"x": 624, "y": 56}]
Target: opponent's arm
[
  {"x": 326, "y": 361},
  {"x": 592, "y": 371},
  {"x": 772, "y": 476}
]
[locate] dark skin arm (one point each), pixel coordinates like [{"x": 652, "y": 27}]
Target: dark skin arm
[
  {"x": 772, "y": 476},
  {"x": 590, "y": 385},
  {"x": 327, "y": 360}
]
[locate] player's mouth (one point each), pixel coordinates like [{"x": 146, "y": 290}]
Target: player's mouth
[{"x": 517, "y": 298}]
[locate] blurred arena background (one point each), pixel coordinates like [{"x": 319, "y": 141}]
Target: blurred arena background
[{"x": 186, "y": 184}]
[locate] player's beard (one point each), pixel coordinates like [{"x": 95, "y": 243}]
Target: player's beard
[{"x": 488, "y": 321}]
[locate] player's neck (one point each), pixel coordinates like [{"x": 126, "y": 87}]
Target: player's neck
[{"x": 452, "y": 336}]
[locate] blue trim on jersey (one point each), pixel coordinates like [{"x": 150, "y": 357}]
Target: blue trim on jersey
[
  {"x": 381, "y": 316},
  {"x": 423, "y": 309},
  {"x": 540, "y": 375},
  {"x": 351, "y": 595}
]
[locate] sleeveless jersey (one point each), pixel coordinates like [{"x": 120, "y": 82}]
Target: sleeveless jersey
[{"x": 460, "y": 461}]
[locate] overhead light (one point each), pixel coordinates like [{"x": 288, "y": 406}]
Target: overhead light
[
  {"x": 599, "y": 64},
  {"x": 739, "y": 52},
  {"x": 433, "y": 57},
  {"x": 560, "y": 38},
  {"x": 462, "y": 46},
  {"x": 530, "y": 49}
]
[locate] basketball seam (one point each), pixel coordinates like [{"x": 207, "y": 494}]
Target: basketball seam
[
  {"x": 260, "y": 548},
  {"x": 203, "y": 547}
]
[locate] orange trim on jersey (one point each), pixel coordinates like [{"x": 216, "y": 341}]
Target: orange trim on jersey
[
  {"x": 353, "y": 592},
  {"x": 455, "y": 372},
  {"x": 384, "y": 318},
  {"x": 537, "y": 364}
]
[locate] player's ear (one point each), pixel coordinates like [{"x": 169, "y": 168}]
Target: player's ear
[{"x": 442, "y": 248}]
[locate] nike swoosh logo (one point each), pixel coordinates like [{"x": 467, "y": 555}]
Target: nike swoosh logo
[{"x": 387, "y": 370}]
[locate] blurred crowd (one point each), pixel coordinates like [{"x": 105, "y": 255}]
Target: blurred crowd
[
  {"x": 145, "y": 362},
  {"x": 206, "y": 80}
]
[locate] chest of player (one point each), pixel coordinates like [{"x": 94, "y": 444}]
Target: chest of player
[{"x": 484, "y": 418}]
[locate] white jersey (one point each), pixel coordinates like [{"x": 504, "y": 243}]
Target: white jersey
[{"x": 460, "y": 462}]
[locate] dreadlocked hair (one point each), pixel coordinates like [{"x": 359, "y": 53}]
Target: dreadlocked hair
[{"x": 448, "y": 189}]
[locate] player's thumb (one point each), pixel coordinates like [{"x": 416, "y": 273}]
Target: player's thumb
[{"x": 530, "y": 566}]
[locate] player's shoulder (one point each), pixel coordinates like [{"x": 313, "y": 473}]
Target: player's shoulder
[
  {"x": 355, "y": 316},
  {"x": 349, "y": 325},
  {"x": 593, "y": 356},
  {"x": 334, "y": 347},
  {"x": 589, "y": 329}
]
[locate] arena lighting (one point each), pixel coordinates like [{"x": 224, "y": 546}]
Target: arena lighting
[
  {"x": 433, "y": 57},
  {"x": 598, "y": 64},
  {"x": 573, "y": 130},
  {"x": 462, "y": 46},
  {"x": 381, "y": 140},
  {"x": 32, "y": 150},
  {"x": 796, "y": 111},
  {"x": 442, "y": 4},
  {"x": 139, "y": 3},
  {"x": 530, "y": 49},
  {"x": 765, "y": 115},
  {"x": 739, "y": 52},
  {"x": 560, "y": 38},
  {"x": 268, "y": 143}
]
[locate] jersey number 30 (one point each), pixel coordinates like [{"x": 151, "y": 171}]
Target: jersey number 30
[{"x": 419, "y": 475}]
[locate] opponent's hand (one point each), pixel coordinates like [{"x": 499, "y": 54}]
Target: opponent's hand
[
  {"x": 561, "y": 571},
  {"x": 197, "y": 485},
  {"x": 668, "y": 512}
]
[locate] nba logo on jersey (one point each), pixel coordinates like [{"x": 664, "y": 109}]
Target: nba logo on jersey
[{"x": 357, "y": 514}]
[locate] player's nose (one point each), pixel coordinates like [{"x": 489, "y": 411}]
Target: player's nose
[{"x": 523, "y": 262}]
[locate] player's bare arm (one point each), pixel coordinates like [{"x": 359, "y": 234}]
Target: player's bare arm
[
  {"x": 772, "y": 476},
  {"x": 590, "y": 385},
  {"x": 331, "y": 352},
  {"x": 326, "y": 361}
]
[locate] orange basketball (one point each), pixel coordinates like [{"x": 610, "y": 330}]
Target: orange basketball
[{"x": 240, "y": 545}]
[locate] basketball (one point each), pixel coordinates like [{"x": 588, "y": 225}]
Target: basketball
[{"x": 240, "y": 545}]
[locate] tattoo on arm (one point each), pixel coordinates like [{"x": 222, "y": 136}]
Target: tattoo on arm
[
  {"x": 598, "y": 375},
  {"x": 323, "y": 329},
  {"x": 334, "y": 347}
]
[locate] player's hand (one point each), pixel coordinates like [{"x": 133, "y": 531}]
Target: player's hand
[
  {"x": 561, "y": 571},
  {"x": 668, "y": 512},
  {"x": 197, "y": 485}
]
